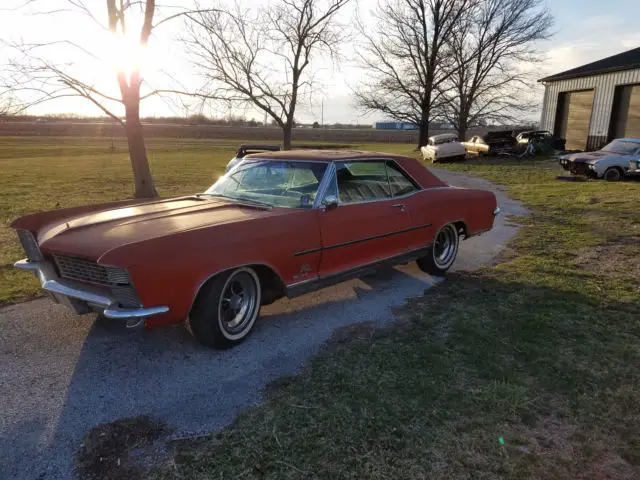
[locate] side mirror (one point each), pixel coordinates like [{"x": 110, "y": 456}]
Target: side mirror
[{"x": 330, "y": 201}]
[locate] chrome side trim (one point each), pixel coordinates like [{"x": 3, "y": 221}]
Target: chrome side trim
[
  {"x": 316, "y": 283},
  {"x": 360, "y": 240},
  {"x": 50, "y": 282}
]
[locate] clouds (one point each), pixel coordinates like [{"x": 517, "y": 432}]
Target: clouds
[{"x": 593, "y": 38}]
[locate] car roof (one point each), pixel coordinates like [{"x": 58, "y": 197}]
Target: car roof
[
  {"x": 633, "y": 140},
  {"x": 323, "y": 155},
  {"x": 443, "y": 136}
]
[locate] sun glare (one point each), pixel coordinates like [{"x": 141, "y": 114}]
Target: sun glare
[{"x": 127, "y": 55}]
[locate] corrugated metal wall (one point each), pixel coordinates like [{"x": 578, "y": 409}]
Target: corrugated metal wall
[{"x": 604, "y": 86}]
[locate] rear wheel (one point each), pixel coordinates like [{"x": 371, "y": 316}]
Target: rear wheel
[
  {"x": 226, "y": 309},
  {"x": 613, "y": 174},
  {"x": 442, "y": 253}
]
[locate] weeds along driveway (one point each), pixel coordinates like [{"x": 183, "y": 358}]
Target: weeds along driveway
[{"x": 63, "y": 374}]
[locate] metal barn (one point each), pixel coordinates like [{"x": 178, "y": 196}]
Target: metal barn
[{"x": 595, "y": 103}]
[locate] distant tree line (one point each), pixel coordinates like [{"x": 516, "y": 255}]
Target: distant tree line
[{"x": 424, "y": 61}]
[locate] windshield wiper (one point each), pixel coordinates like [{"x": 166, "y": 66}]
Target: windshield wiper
[
  {"x": 251, "y": 200},
  {"x": 241, "y": 200}
]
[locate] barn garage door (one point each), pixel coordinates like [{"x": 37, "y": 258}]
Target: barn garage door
[
  {"x": 579, "y": 109},
  {"x": 625, "y": 120},
  {"x": 632, "y": 128}
]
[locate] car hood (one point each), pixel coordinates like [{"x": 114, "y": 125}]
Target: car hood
[
  {"x": 589, "y": 158},
  {"x": 94, "y": 234}
]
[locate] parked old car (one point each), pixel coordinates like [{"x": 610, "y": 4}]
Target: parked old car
[
  {"x": 244, "y": 150},
  {"x": 541, "y": 137},
  {"x": 445, "y": 146},
  {"x": 492, "y": 143},
  {"x": 476, "y": 145},
  {"x": 610, "y": 163},
  {"x": 279, "y": 224}
]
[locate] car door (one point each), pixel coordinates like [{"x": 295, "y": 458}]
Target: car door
[
  {"x": 472, "y": 145},
  {"x": 367, "y": 224}
]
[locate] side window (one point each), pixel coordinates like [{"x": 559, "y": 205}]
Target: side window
[
  {"x": 362, "y": 181},
  {"x": 400, "y": 184}
]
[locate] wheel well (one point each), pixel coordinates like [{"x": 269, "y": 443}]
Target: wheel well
[
  {"x": 270, "y": 282},
  {"x": 461, "y": 227}
]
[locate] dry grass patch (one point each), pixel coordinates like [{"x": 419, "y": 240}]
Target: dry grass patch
[{"x": 617, "y": 258}]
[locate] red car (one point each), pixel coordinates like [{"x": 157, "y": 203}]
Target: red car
[{"x": 277, "y": 224}]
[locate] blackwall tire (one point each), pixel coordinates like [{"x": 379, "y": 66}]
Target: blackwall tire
[
  {"x": 442, "y": 254},
  {"x": 226, "y": 309},
  {"x": 613, "y": 174}
]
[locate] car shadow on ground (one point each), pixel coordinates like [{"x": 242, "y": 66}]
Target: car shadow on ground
[{"x": 164, "y": 373}]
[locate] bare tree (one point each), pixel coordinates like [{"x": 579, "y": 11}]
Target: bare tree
[
  {"x": 7, "y": 105},
  {"x": 406, "y": 59},
  {"x": 37, "y": 73},
  {"x": 260, "y": 57},
  {"x": 491, "y": 49}
]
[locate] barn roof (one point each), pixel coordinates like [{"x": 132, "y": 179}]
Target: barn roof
[{"x": 628, "y": 60}]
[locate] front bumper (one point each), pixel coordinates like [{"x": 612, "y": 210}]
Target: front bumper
[
  {"x": 578, "y": 168},
  {"x": 83, "y": 298}
]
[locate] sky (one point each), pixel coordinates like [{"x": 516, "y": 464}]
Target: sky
[{"x": 584, "y": 31}]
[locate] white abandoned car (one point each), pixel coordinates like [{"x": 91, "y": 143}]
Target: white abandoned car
[
  {"x": 610, "y": 163},
  {"x": 445, "y": 146}
]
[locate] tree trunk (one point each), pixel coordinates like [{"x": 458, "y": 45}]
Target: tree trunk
[
  {"x": 287, "y": 134},
  {"x": 423, "y": 138},
  {"x": 143, "y": 180},
  {"x": 462, "y": 132}
]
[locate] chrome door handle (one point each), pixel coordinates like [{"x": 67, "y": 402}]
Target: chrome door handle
[{"x": 398, "y": 205}]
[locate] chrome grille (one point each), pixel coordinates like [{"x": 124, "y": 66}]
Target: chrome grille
[
  {"x": 88, "y": 271},
  {"x": 30, "y": 245}
]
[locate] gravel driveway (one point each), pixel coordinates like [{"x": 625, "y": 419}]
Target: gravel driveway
[{"x": 63, "y": 374}]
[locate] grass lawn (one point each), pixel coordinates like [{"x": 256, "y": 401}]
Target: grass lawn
[
  {"x": 43, "y": 173},
  {"x": 526, "y": 370}
]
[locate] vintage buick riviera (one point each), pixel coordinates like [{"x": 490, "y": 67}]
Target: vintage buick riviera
[{"x": 277, "y": 224}]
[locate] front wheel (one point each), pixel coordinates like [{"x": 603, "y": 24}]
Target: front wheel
[
  {"x": 613, "y": 174},
  {"x": 226, "y": 308},
  {"x": 442, "y": 253}
]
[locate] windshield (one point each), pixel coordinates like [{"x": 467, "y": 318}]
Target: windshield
[
  {"x": 277, "y": 183},
  {"x": 620, "y": 146}
]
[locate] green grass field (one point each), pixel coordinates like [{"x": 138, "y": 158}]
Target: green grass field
[{"x": 42, "y": 173}]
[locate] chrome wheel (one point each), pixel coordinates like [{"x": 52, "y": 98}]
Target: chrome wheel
[
  {"x": 445, "y": 247},
  {"x": 239, "y": 303}
]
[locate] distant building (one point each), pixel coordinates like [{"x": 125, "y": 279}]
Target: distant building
[
  {"x": 595, "y": 103},
  {"x": 390, "y": 125}
]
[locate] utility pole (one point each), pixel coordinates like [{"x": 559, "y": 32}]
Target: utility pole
[{"x": 322, "y": 113}]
